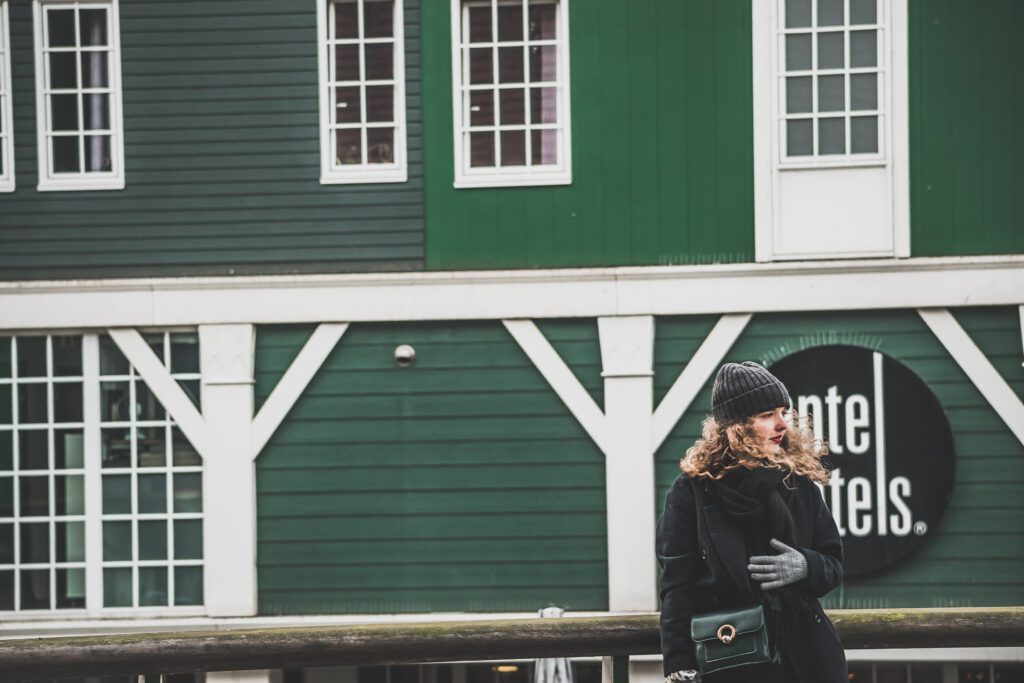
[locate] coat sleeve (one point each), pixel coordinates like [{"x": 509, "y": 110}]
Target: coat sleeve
[
  {"x": 677, "y": 549},
  {"x": 825, "y": 556}
]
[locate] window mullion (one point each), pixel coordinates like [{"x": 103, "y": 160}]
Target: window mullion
[
  {"x": 16, "y": 484},
  {"x": 526, "y": 83},
  {"x": 50, "y": 477},
  {"x": 93, "y": 481},
  {"x": 495, "y": 90}
]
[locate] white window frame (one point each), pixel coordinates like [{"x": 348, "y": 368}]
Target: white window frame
[
  {"x": 93, "y": 472},
  {"x": 770, "y": 116},
  {"x": 82, "y": 180},
  {"x": 6, "y": 118},
  {"x": 510, "y": 176},
  {"x": 396, "y": 172}
]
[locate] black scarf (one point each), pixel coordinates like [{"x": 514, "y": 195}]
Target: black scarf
[{"x": 756, "y": 501}]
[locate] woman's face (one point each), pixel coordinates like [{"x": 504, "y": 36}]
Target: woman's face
[{"x": 770, "y": 427}]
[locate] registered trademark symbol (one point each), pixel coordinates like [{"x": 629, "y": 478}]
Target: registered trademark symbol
[{"x": 920, "y": 528}]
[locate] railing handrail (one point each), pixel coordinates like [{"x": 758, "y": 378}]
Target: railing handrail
[{"x": 397, "y": 643}]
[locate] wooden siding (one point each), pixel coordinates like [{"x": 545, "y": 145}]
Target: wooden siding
[
  {"x": 966, "y": 108},
  {"x": 661, "y": 142},
  {"x": 222, "y": 156},
  {"x": 975, "y": 557},
  {"x": 459, "y": 484}
]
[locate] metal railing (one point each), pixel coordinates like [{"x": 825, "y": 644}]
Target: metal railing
[{"x": 445, "y": 641}]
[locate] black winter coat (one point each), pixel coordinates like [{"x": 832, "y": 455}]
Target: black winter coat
[{"x": 703, "y": 558}]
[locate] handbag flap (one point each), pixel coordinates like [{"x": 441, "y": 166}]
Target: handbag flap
[{"x": 705, "y": 626}]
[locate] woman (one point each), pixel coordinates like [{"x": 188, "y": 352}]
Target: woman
[{"x": 744, "y": 524}]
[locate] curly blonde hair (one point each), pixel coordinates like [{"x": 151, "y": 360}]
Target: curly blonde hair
[{"x": 723, "y": 448}]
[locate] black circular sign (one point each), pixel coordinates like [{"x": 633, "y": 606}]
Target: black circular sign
[{"x": 891, "y": 449}]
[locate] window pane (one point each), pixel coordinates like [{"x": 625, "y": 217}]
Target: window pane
[
  {"x": 346, "y": 62},
  {"x": 184, "y": 353},
  {"x": 481, "y": 149},
  {"x": 6, "y": 543},
  {"x": 380, "y": 146},
  {"x": 864, "y": 134},
  {"x": 188, "y": 585},
  {"x": 862, "y": 11},
  {"x": 380, "y": 61},
  {"x": 188, "y": 539},
  {"x": 63, "y": 70},
  {"x": 152, "y": 586},
  {"x": 6, "y": 497},
  {"x": 348, "y": 146},
  {"x": 35, "y": 542},
  {"x": 830, "y": 50},
  {"x": 380, "y": 103},
  {"x": 544, "y": 147},
  {"x": 64, "y": 112},
  {"x": 510, "y": 22},
  {"x": 67, "y": 402},
  {"x": 799, "y": 138},
  {"x": 92, "y": 25},
  {"x": 151, "y": 446},
  {"x": 798, "y": 94},
  {"x": 347, "y": 105},
  {"x": 543, "y": 63},
  {"x": 112, "y": 361},
  {"x": 71, "y": 588},
  {"x": 147, "y": 407},
  {"x": 152, "y": 493},
  {"x": 69, "y": 494},
  {"x": 117, "y": 494},
  {"x": 117, "y": 587},
  {"x": 513, "y": 148},
  {"x": 863, "y": 91},
  {"x": 831, "y": 93},
  {"x": 798, "y": 13},
  {"x": 94, "y": 70},
  {"x": 5, "y": 357},
  {"x": 115, "y": 447},
  {"x": 510, "y": 65},
  {"x": 346, "y": 19},
  {"x": 479, "y": 24},
  {"x": 70, "y": 541},
  {"x": 60, "y": 27},
  {"x": 153, "y": 539},
  {"x": 798, "y": 52},
  {"x": 6, "y": 402},
  {"x": 378, "y": 19},
  {"x": 115, "y": 402},
  {"x": 35, "y": 589},
  {"x": 67, "y": 356},
  {"x": 33, "y": 450},
  {"x": 65, "y": 154},
  {"x": 96, "y": 115},
  {"x": 863, "y": 48},
  {"x": 513, "y": 107},
  {"x": 544, "y": 105},
  {"x": 830, "y": 12},
  {"x": 32, "y": 404},
  {"x": 481, "y": 108},
  {"x": 31, "y": 357},
  {"x": 35, "y": 497},
  {"x": 68, "y": 449},
  {"x": 481, "y": 65},
  {"x": 6, "y": 590},
  {"x": 831, "y": 136},
  {"x": 542, "y": 22},
  {"x": 182, "y": 453},
  {"x": 117, "y": 541}
]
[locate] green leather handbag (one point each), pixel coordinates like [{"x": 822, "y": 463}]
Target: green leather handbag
[{"x": 729, "y": 639}]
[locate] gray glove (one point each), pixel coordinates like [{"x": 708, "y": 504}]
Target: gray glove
[
  {"x": 681, "y": 676},
  {"x": 776, "y": 571}
]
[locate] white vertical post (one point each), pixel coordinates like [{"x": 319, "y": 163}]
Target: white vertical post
[
  {"x": 93, "y": 466},
  {"x": 627, "y": 355},
  {"x": 229, "y": 481}
]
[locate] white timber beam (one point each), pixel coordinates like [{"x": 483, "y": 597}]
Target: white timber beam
[
  {"x": 158, "y": 379},
  {"x": 560, "y": 377},
  {"x": 294, "y": 382},
  {"x": 521, "y": 294},
  {"x": 977, "y": 368},
  {"x": 695, "y": 374}
]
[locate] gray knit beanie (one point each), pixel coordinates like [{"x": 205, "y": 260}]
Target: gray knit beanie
[{"x": 745, "y": 389}]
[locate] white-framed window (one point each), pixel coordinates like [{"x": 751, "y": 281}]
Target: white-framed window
[
  {"x": 78, "y": 95},
  {"x": 510, "y": 94},
  {"x": 6, "y": 119},
  {"x": 100, "y": 496},
  {"x": 362, "y": 91},
  {"x": 831, "y": 145}
]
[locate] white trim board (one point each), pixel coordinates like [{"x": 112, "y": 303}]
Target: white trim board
[{"x": 490, "y": 295}]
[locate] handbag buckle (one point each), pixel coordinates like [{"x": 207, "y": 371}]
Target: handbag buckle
[{"x": 726, "y": 632}]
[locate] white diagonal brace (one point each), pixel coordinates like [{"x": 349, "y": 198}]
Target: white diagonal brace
[
  {"x": 679, "y": 397},
  {"x": 319, "y": 345},
  {"x": 560, "y": 377},
  {"x": 156, "y": 376},
  {"x": 977, "y": 367}
]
